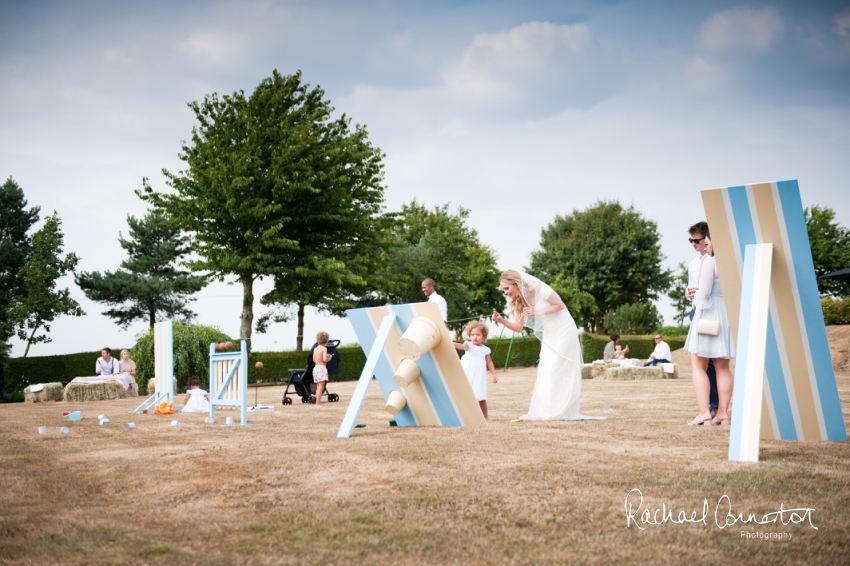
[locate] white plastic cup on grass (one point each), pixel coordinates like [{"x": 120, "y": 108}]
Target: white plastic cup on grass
[
  {"x": 209, "y": 420},
  {"x": 175, "y": 423},
  {"x": 64, "y": 430},
  {"x": 42, "y": 430},
  {"x": 130, "y": 426},
  {"x": 229, "y": 420}
]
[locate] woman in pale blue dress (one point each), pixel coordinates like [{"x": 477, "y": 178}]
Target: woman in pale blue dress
[{"x": 710, "y": 306}]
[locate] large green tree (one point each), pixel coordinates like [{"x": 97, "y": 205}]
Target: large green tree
[
  {"x": 40, "y": 302},
  {"x": 439, "y": 245},
  {"x": 610, "y": 252},
  {"x": 15, "y": 248},
  {"x": 257, "y": 166},
  {"x": 830, "y": 243},
  {"x": 149, "y": 282}
]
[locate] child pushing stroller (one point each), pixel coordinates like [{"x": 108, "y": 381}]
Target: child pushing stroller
[{"x": 322, "y": 362}]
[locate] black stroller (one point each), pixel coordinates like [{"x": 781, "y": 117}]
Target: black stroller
[{"x": 302, "y": 378}]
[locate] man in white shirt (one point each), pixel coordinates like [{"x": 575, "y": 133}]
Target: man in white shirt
[
  {"x": 698, "y": 233},
  {"x": 661, "y": 354},
  {"x": 428, "y": 288},
  {"x": 106, "y": 364}
]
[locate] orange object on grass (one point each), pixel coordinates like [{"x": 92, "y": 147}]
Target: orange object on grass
[{"x": 163, "y": 409}]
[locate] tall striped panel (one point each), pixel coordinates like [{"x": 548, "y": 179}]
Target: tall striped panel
[
  {"x": 442, "y": 396},
  {"x": 800, "y": 392},
  {"x": 164, "y": 358},
  {"x": 752, "y": 342}
]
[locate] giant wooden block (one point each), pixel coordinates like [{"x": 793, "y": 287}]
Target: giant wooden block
[
  {"x": 441, "y": 396},
  {"x": 800, "y": 399}
]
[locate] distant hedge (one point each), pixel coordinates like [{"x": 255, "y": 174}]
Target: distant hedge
[
  {"x": 835, "y": 311},
  {"x": 524, "y": 352},
  {"x": 22, "y": 372}
]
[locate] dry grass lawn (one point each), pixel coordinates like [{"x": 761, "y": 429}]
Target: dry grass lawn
[{"x": 290, "y": 492}]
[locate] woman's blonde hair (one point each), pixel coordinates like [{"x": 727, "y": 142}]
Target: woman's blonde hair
[
  {"x": 125, "y": 350},
  {"x": 516, "y": 303},
  {"x": 473, "y": 324}
]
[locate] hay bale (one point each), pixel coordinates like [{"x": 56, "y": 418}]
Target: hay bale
[
  {"x": 48, "y": 392},
  {"x": 597, "y": 371},
  {"x": 587, "y": 371},
  {"x": 94, "y": 391},
  {"x": 632, "y": 373},
  {"x": 152, "y": 386}
]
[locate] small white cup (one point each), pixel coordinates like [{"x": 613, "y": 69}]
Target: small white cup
[
  {"x": 101, "y": 417},
  {"x": 64, "y": 430},
  {"x": 229, "y": 420},
  {"x": 104, "y": 421},
  {"x": 175, "y": 423},
  {"x": 130, "y": 426},
  {"x": 209, "y": 420},
  {"x": 42, "y": 430}
]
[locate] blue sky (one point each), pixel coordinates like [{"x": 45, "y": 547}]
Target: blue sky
[{"x": 516, "y": 110}]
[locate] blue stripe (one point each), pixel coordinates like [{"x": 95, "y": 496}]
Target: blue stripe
[
  {"x": 778, "y": 387},
  {"x": 362, "y": 323},
  {"x": 434, "y": 387},
  {"x": 801, "y": 257}
]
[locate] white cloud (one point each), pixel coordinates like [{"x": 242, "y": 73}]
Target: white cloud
[
  {"x": 501, "y": 67},
  {"x": 212, "y": 48},
  {"x": 842, "y": 24},
  {"x": 704, "y": 75},
  {"x": 756, "y": 29}
]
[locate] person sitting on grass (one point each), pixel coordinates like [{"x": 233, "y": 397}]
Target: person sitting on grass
[
  {"x": 197, "y": 400},
  {"x": 320, "y": 370}
]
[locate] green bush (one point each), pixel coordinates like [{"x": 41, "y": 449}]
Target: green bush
[
  {"x": 835, "y": 311},
  {"x": 634, "y": 318},
  {"x": 191, "y": 353},
  {"x": 640, "y": 347},
  {"x": 44, "y": 369}
]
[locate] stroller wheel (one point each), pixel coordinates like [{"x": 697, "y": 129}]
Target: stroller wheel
[
  {"x": 312, "y": 400},
  {"x": 287, "y": 401},
  {"x": 303, "y": 399},
  {"x": 333, "y": 397}
]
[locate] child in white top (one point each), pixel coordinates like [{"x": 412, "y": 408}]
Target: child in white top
[
  {"x": 197, "y": 400},
  {"x": 476, "y": 361}
]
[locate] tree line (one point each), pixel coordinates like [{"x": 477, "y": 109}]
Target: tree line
[{"x": 275, "y": 186}]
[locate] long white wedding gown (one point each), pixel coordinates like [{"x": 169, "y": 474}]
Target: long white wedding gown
[{"x": 557, "y": 391}]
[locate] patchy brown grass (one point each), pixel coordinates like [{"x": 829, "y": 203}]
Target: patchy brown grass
[{"x": 512, "y": 493}]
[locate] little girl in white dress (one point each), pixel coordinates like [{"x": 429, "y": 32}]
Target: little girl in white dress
[
  {"x": 476, "y": 361},
  {"x": 197, "y": 400}
]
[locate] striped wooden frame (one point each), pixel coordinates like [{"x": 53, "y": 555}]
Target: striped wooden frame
[{"x": 800, "y": 399}]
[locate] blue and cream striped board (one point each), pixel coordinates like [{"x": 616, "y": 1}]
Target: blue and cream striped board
[
  {"x": 164, "y": 358},
  {"x": 443, "y": 396},
  {"x": 752, "y": 342},
  {"x": 800, "y": 400}
]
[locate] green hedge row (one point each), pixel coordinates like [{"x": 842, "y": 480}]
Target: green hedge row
[
  {"x": 21, "y": 372},
  {"x": 524, "y": 352},
  {"x": 640, "y": 347},
  {"x": 835, "y": 311}
]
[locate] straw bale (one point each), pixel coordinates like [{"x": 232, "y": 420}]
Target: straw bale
[
  {"x": 94, "y": 391},
  {"x": 595, "y": 371},
  {"x": 152, "y": 386},
  {"x": 632, "y": 373},
  {"x": 51, "y": 392}
]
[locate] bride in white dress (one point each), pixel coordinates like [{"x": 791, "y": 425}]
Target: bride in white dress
[{"x": 557, "y": 391}]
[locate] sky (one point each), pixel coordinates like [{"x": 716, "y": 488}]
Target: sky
[{"x": 517, "y": 111}]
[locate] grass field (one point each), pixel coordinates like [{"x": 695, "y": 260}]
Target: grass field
[{"x": 290, "y": 492}]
